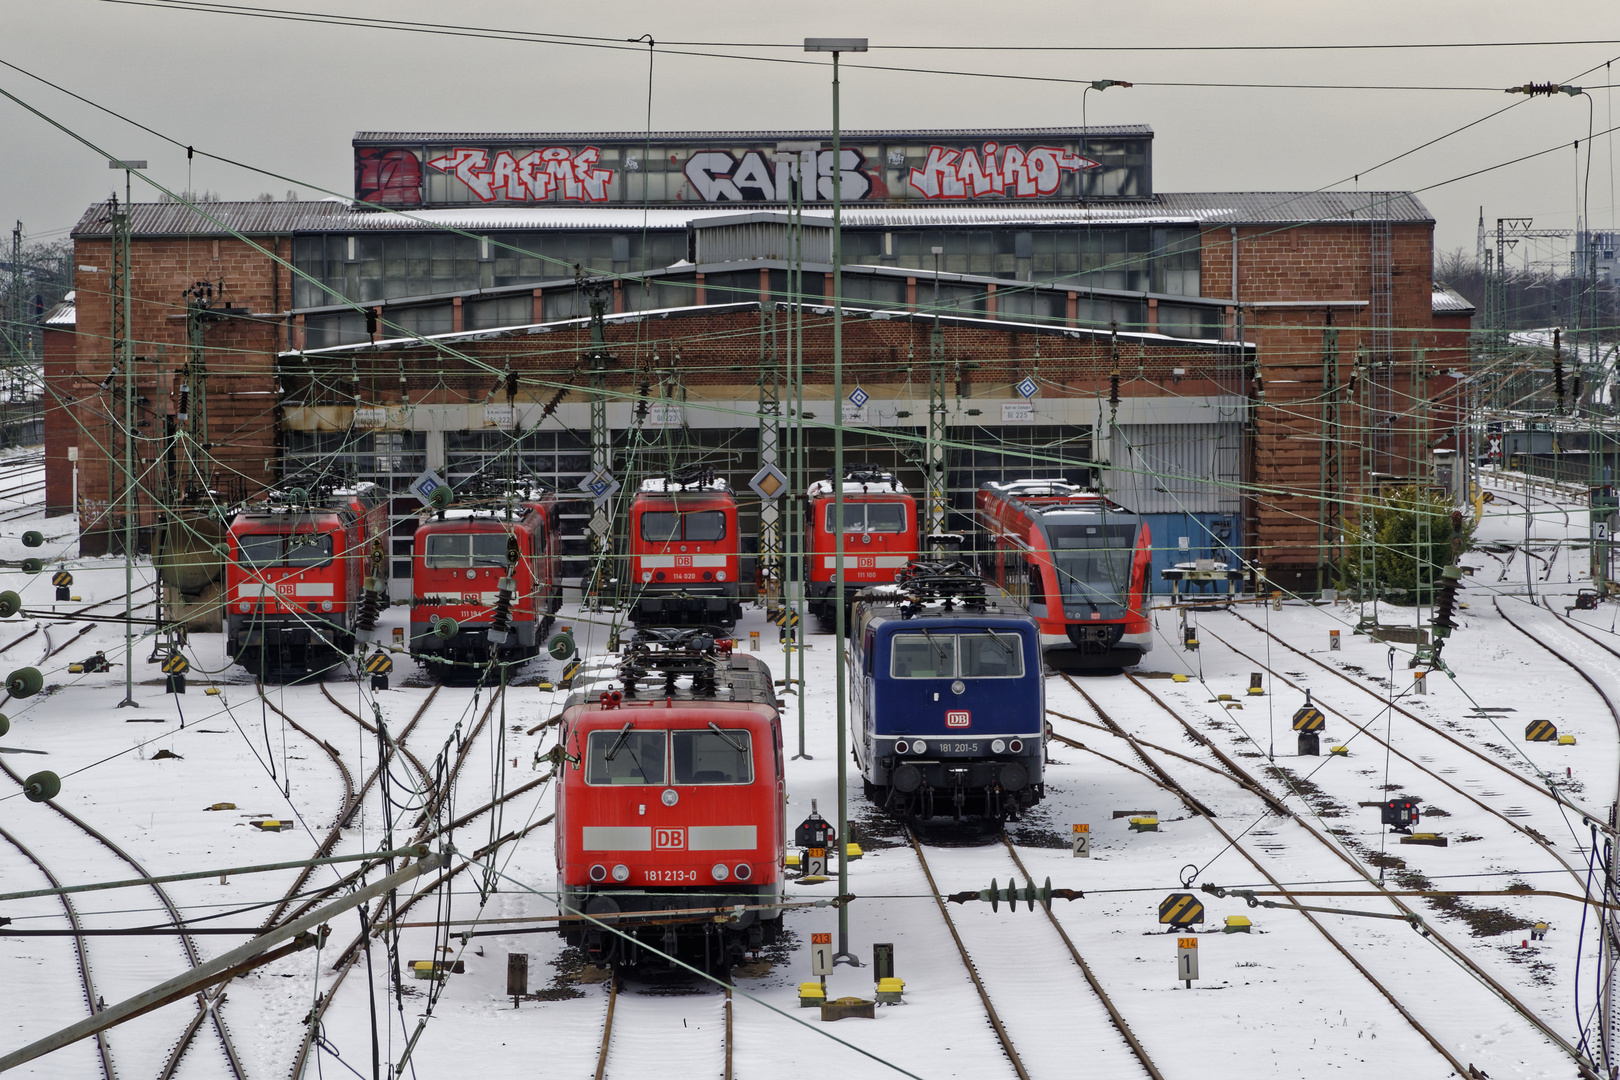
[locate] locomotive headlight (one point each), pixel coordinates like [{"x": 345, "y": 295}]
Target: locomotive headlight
[
  {"x": 670, "y": 796},
  {"x": 646, "y": 575},
  {"x": 326, "y": 605},
  {"x": 244, "y": 607},
  {"x": 900, "y": 746},
  {"x": 919, "y": 747},
  {"x": 720, "y": 871},
  {"x": 598, "y": 872},
  {"x": 621, "y": 873},
  {"x": 719, "y": 575},
  {"x": 998, "y": 747},
  {"x": 958, "y": 687}
]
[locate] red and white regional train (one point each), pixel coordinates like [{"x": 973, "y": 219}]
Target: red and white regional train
[
  {"x": 490, "y": 566},
  {"x": 880, "y": 535},
  {"x": 684, "y": 553},
  {"x": 669, "y": 825},
  {"x": 295, "y": 567},
  {"x": 1076, "y": 561}
]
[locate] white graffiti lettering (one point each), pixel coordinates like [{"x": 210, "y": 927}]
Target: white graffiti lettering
[
  {"x": 535, "y": 176},
  {"x": 962, "y": 174},
  {"x": 719, "y": 177}
]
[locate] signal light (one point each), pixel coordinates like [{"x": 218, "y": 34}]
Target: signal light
[
  {"x": 744, "y": 871},
  {"x": 598, "y": 872},
  {"x": 901, "y": 746},
  {"x": 721, "y": 871},
  {"x": 1016, "y": 746},
  {"x": 621, "y": 873}
]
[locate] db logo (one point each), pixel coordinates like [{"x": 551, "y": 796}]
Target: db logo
[
  {"x": 670, "y": 839},
  {"x": 868, "y": 562},
  {"x": 683, "y": 560},
  {"x": 284, "y": 588},
  {"x": 471, "y": 598},
  {"x": 957, "y": 718}
]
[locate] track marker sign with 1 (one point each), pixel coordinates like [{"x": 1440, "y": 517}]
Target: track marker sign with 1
[
  {"x": 821, "y": 958},
  {"x": 1187, "y": 959},
  {"x": 175, "y": 664},
  {"x": 1082, "y": 841}
]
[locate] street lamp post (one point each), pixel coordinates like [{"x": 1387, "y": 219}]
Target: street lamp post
[{"x": 837, "y": 46}]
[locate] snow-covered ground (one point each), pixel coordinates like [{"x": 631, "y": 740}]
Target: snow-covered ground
[{"x": 1282, "y": 1001}]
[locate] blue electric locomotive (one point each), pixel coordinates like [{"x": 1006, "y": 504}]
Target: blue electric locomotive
[{"x": 947, "y": 689}]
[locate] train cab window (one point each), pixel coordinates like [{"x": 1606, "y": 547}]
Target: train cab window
[
  {"x": 660, "y": 526},
  {"x": 704, "y": 525},
  {"x": 922, "y": 656},
  {"x": 991, "y": 656},
  {"x": 718, "y": 756},
  {"x": 460, "y": 550},
  {"x": 625, "y": 756},
  {"x": 868, "y": 517},
  {"x": 665, "y": 526},
  {"x": 285, "y": 549}
]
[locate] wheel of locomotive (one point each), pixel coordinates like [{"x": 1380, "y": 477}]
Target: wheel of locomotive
[
  {"x": 826, "y": 620},
  {"x": 42, "y": 786},
  {"x": 874, "y": 794},
  {"x": 25, "y": 682},
  {"x": 10, "y": 604}
]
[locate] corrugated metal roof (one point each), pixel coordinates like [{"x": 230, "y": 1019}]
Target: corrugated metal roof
[
  {"x": 64, "y": 314},
  {"x": 1449, "y": 301},
  {"x": 336, "y": 216},
  {"x": 1297, "y": 207},
  {"x": 498, "y": 138},
  {"x": 250, "y": 218}
]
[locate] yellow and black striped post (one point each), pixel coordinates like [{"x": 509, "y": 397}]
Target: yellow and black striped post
[
  {"x": 1181, "y": 909},
  {"x": 1540, "y": 731}
]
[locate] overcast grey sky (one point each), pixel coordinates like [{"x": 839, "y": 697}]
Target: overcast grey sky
[{"x": 288, "y": 96}]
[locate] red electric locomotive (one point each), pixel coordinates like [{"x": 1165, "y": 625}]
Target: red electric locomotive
[
  {"x": 669, "y": 822},
  {"x": 1077, "y": 561},
  {"x": 296, "y": 565},
  {"x": 484, "y": 576},
  {"x": 880, "y": 535},
  {"x": 684, "y": 549}
]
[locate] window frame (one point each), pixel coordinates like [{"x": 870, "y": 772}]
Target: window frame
[
  {"x": 748, "y": 756},
  {"x": 608, "y": 735}
]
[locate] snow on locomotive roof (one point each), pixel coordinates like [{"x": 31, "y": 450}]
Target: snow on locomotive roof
[
  {"x": 660, "y": 485},
  {"x": 859, "y": 487},
  {"x": 468, "y": 513},
  {"x": 1068, "y": 498}
]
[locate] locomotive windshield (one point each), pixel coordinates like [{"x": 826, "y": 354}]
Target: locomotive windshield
[
  {"x": 717, "y": 756},
  {"x": 947, "y": 656},
  {"x": 664, "y": 526},
  {"x": 461, "y": 550},
  {"x": 285, "y": 549},
  {"x": 868, "y": 517},
  {"x": 1093, "y": 564},
  {"x": 625, "y": 756}
]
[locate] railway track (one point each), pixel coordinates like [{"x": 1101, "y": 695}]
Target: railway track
[
  {"x": 1238, "y": 775},
  {"x": 1009, "y": 969},
  {"x": 1543, "y": 789},
  {"x": 103, "y": 1052},
  {"x": 654, "y": 1035},
  {"x": 346, "y": 960},
  {"x": 208, "y": 1005}
]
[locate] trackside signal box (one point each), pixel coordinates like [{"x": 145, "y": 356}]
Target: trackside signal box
[{"x": 1402, "y": 814}]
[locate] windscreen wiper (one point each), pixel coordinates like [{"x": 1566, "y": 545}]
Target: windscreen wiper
[
  {"x": 936, "y": 645},
  {"x": 997, "y": 639},
  {"x": 714, "y": 727},
  {"x": 618, "y": 744}
]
